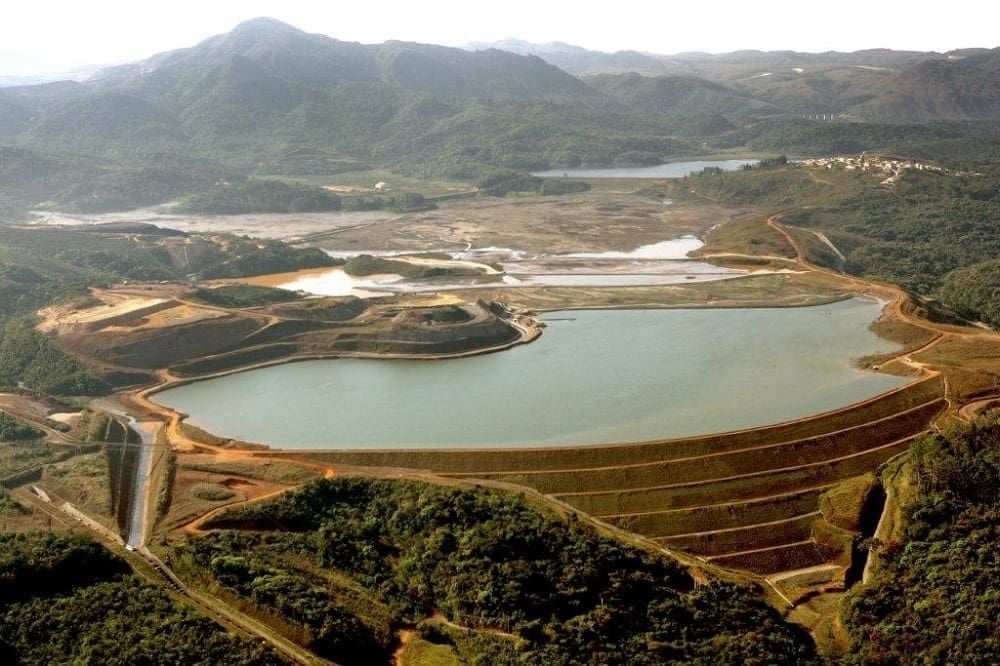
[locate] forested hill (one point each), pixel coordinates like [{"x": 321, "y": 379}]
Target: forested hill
[
  {"x": 268, "y": 47},
  {"x": 874, "y": 84},
  {"x": 266, "y": 85},
  {"x": 268, "y": 98}
]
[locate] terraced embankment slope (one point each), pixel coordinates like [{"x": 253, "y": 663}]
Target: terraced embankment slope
[{"x": 747, "y": 500}]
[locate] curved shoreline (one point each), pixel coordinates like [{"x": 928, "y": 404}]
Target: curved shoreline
[
  {"x": 526, "y": 335},
  {"x": 529, "y": 332},
  {"x": 895, "y": 302}
]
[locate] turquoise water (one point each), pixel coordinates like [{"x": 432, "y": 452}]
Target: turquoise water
[
  {"x": 594, "y": 376},
  {"x": 671, "y": 170}
]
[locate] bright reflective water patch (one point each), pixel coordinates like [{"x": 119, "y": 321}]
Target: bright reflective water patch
[{"x": 671, "y": 170}]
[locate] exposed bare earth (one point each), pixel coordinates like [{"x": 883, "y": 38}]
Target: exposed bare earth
[{"x": 589, "y": 222}]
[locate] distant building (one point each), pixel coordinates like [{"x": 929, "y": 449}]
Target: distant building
[{"x": 381, "y": 186}]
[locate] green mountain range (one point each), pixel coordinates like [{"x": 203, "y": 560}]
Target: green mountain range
[{"x": 270, "y": 98}]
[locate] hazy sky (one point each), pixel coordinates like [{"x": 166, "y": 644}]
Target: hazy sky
[{"x": 55, "y": 34}]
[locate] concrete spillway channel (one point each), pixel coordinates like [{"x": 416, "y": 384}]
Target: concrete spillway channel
[
  {"x": 136, "y": 477},
  {"x": 135, "y": 534}
]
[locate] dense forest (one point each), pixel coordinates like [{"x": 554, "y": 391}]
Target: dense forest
[
  {"x": 347, "y": 561},
  {"x": 934, "y": 598},
  {"x": 974, "y": 291},
  {"x": 915, "y": 233},
  {"x": 87, "y": 185},
  {"x": 66, "y": 599}
]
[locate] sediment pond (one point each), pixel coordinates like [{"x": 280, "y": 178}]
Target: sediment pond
[
  {"x": 594, "y": 376},
  {"x": 661, "y": 263}
]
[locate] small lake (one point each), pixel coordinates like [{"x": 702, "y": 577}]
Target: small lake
[
  {"x": 669, "y": 170},
  {"x": 594, "y": 376}
]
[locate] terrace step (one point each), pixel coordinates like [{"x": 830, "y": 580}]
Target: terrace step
[
  {"x": 798, "y": 555},
  {"x": 734, "y": 488},
  {"x": 478, "y": 462},
  {"x": 724, "y": 515},
  {"x": 719, "y": 465},
  {"x": 734, "y": 540}
]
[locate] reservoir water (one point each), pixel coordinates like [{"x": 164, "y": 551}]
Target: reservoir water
[
  {"x": 593, "y": 377},
  {"x": 670, "y": 170}
]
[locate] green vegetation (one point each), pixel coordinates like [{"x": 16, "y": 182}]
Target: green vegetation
[
  {"x": 844, "y": 504},
  {"x": 486, "y": 560},
  {"x": 270, "y": 99},
  {"x": 97, "y": 426},
  {"x": 10, "y": 507},
  {"x": 767, "y": 189},
  {"x": 244, "y": 295},
  {"x": 247, "y": 258},
  {"x": 15, "y": 431},
  {"x": 213, "y": 492},
  {"x": 41, "y": 265},
  {"x": 406, "y": 202},
  {"x": 66, "y": 599},
  {"x": 85, "y": 185},
  {"x": 288, "y": 473},
  {"x": 258, "y": 195},
  {"x": 481, "y": 577},
  {"x": 974, "y": 291},
  {"x": 500, "y": 182},
  {"x": 167, "y": 478},
  {"x": 85, "y": 482},
  {"x": 930, "y": 233},
  {"x": 551, "y": 186},
  {"x": 420, "y": 652},
  {"x": 10, "y": 211},
  {"x": 917, "y": 232},
  {"x": 366, "y": 264},
  {"x": 19, "y": 456},
  {"x": 29, "y": 359},
  {"x": 933, "y": 598},
  {"x": 799, "y": 136}
]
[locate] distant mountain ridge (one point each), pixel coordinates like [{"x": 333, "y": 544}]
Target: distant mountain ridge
[
  {"x": 873, "y": 84},
  {"x": 267, "y": 83},
  {"x": 581, "y": 61},
  {"x": 317, "y": 61},
  {"x": 267, "y": 97}
]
